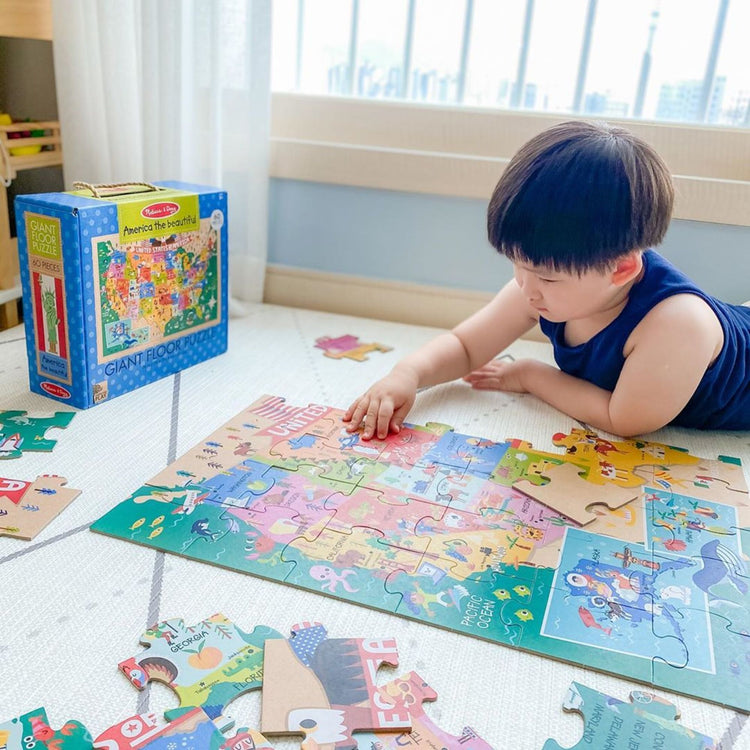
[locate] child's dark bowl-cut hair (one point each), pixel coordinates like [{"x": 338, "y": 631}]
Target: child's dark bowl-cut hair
[{"x": 579, "y": 195}]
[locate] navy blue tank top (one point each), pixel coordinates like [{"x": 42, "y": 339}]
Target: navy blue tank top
[{"x": 722, "y": 399}]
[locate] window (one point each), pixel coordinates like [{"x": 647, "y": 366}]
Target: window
[
  {"x": 647, "y": 59},
  {"x": 436, "y": 95}
]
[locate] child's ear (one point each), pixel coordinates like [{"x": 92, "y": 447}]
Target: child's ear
[{"x": 627, "y": 268}]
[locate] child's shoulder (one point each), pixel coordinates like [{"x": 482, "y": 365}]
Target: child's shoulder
[{"x": 679, "y": 318}]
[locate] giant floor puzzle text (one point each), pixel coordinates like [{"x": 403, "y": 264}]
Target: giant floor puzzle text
[{"x": 627, "y": 557}]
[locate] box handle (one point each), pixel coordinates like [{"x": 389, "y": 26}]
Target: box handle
[{"x": 115, "y": 188}]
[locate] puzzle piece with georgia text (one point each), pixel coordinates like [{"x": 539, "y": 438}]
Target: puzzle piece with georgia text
[
  {"x": 33, "y": 727},
  {"x": 19, "y": 432},
  {"x": 207, "y": 664}
]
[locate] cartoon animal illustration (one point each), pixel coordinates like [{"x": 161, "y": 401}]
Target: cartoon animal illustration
[
  {"x": 588, "y": 620},
  {"x": 200, "y": 528},
  {"x": 331, "y": 579},
  {"x": 719, "y": 563},
  {"x": 622, "y": 593}
]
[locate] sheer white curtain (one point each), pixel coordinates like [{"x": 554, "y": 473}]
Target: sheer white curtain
[{"x": 172, "y": 89}]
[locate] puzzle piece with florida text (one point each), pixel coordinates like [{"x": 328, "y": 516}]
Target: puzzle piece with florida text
[{"x": 207, "y": 664}]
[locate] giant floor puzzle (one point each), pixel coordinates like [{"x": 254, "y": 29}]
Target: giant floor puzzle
[{"x": 627, "y": 557}]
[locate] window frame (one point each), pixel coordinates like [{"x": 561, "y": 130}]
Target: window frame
[{"x": 461, "y": 151}]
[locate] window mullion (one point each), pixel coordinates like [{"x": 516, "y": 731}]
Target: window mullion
[
  {"x": 408, "y": 43},
  {"x": 354, "y": 28},
  {"x": 640, "y": 94},
  {"x": 713, "y": 55},
  {"x": 583, "y": 62},
  {"x": 523, "y": 57},
  {"x": 465, "y": 47},
  {"x": 300, "y": 42}
]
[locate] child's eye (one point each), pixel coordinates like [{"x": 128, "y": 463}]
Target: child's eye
[{"x": 548, "y": 281}]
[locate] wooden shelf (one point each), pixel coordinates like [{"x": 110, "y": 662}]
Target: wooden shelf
[
  {"x": 49, "y": 154},
  {"x": 9, "y": 295},
  {"x": 26, "y": 19},
  {"x": 30, "y": 19}
]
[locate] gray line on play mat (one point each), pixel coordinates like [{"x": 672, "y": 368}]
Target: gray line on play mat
[
  {"x": 11, "y": 341},
  {"x": 157, "y": 578},
  {"x": 732, "y": 732},
  {"x": 51, "y": 540}
]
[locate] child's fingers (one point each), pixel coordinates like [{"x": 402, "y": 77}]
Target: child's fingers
[
  {"x": 488, "y": 384},
  {"x": 398, "y": 418},
  {"x": 357, "y": 414},
  {"x": 370, "y": 419},
  {"x": 385, "y": 410}
]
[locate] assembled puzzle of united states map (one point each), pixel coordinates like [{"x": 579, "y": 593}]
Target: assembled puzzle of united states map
[{"x": 628, "y": 557}]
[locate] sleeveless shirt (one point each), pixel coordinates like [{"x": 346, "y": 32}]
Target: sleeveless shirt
[{"x": 722, "y": 398}]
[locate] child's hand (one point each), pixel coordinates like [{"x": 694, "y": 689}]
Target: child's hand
[
  {"x": 499, "y": 375},
  {"x": 383, "y": 408}
]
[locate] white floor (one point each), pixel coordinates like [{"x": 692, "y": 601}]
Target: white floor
[{"x": 73, "y": 603}]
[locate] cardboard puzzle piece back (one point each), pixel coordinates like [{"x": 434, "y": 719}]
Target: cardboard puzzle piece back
[
  {"x": 33, "y": 727},
  {"x": 207, "y": 664},
  {"x": 20, "y": 432},
  {"x": 430, "y": 524},
  {"x": 27, "y": 507},
  {"x": 647, "y": 721},
  {"x": 324, "y": 688}
]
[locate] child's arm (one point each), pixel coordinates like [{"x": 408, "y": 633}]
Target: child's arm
[
  {"x": 383, "y": 407},
  {"x": 666, "y": 357}
]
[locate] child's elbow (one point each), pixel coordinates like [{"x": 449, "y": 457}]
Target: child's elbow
[{"x": 629, "y": 425}]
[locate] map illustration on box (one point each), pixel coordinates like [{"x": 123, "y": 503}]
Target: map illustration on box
[{"x": 151, "y": 290}]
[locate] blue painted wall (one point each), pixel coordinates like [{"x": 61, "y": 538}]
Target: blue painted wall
[{"x": 431, "y": 239}]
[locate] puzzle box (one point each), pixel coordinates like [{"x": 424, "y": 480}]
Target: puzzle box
[{"x": 121, "y": 289}]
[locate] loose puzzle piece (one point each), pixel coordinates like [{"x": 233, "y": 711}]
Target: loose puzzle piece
[
  {"x": 646, "y": 722},
  {"x": 19, "y": 432},
  {"x": 349, "y": 347},
  {"x": 324, "y": 688},
  {"x": 431, "y": 524},
  {"x": 25, "y": 731},
  {"x": 572, "y": 495},
  {"x": 193, "y": 729},
  {"x": 27, "y": 507},
  {"x": 409, "y": 693},
  {"x": 207, "y": 664}
]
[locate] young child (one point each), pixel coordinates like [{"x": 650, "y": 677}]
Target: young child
[{"x": 638, "y": 344}]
